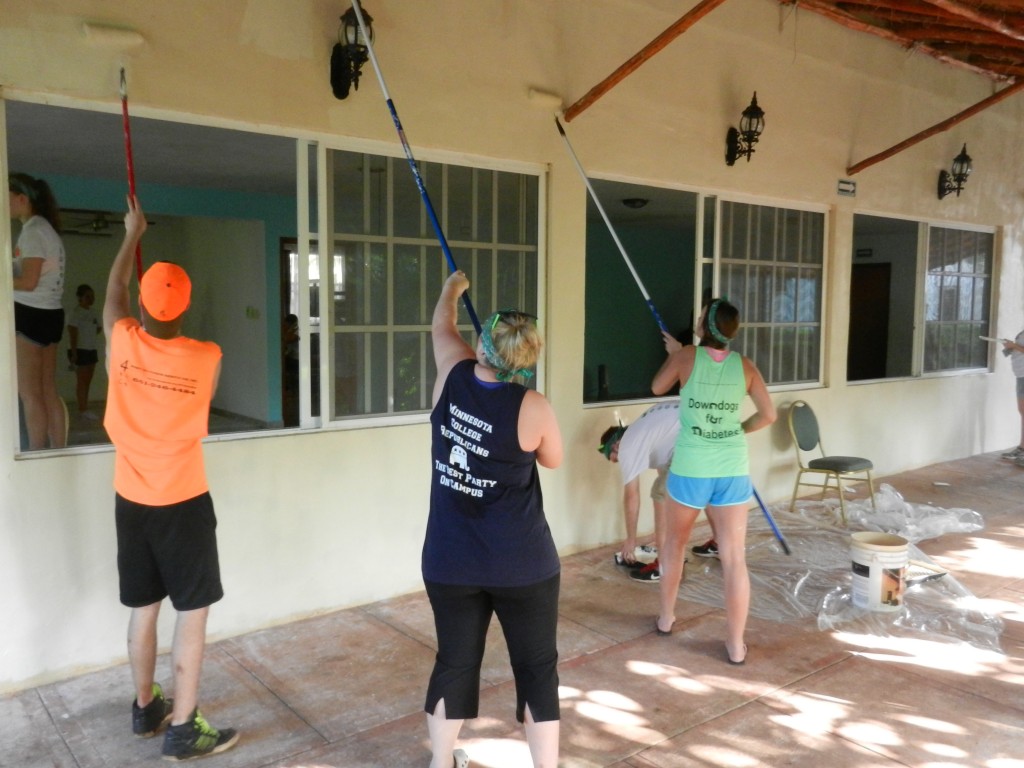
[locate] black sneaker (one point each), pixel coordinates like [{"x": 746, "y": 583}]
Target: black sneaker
[
  {"x": 146, "y": 721},
  {"x": 196, "y": 738},
  {"x": 634, "y": 566},
  {"x": 708, "y": 549},
  {"x": 650, "y": 573}
]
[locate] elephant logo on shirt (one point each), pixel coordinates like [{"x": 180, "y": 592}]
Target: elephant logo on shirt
[{"x": 459, "y": 458}]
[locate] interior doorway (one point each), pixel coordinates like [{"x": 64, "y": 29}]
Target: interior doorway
[
  {"x": 290, "y": 337},
  {"x": 868, "y": 346}
]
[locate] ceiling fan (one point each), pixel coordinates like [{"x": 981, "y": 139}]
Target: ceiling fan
[
  {"x": 82, "y": 221},
  {"x": 77, "y": 221}
]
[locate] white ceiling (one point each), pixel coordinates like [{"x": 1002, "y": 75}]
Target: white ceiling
[{"x": 45, "y": 140}]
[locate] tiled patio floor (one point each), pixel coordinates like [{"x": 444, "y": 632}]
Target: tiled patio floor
[{"x": 346, "y": 689}]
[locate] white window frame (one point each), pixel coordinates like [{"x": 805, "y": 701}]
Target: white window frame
[{"x": 325, "y": 420}]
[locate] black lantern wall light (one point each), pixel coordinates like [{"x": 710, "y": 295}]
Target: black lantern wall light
[
  {"x": 741, "y": 143},
  {"x": 350, "y": 53},
  {"x": 956, "y": 177}
]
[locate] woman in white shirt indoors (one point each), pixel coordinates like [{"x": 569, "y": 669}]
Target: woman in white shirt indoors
[{"x": 38, "y": 309}]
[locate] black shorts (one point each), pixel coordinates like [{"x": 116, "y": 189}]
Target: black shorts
[
  {"x": 168, "y": 551},
  {"x": 40, "y": 326},
  {"x": 86, "y": 357}
]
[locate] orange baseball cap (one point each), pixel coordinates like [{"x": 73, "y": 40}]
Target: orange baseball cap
[{"x": 165, "y": 291}]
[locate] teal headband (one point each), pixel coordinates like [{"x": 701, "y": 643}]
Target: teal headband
[
  {"x": 16, "y": 185},
  {"x": 501, "y": 369},
  {"x": 718, "y": 336}
]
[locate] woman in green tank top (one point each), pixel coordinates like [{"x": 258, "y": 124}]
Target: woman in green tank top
[{"x": 710, "y": 468}]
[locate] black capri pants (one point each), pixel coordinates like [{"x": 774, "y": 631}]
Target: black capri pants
[{"x": 529, "y": 619}]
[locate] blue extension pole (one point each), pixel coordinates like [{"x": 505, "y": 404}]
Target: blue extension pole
[
  {"x": 412, "y": 163},
  {"x": 611, "y": 229},
  {"x": 771, "y": 523}
]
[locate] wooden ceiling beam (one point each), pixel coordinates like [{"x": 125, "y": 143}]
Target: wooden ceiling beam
[
  {"x": 695, "y": 14},
  {"x": 981, "y": 19},
  {"x": 895, "y": 9},
  {"x": 945, "y": 125},
  {"x": 829, "y": 11},
  {"x": 977, "y": 38}
]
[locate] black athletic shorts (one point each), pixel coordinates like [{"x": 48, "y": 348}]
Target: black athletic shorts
[
  {"x": 86, "y": 357},
  {"x": 40, "y": 326},
  {"x": 168, "y": 551}
]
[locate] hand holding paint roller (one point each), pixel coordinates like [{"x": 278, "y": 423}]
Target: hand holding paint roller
[{"x": 1009, "y": 345}]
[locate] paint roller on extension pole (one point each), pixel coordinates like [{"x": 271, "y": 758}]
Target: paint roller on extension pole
[
  {"x": 412, "y": 162},
  {"x": 611, "y": 230},
  {"x": 130, "y": 163}
]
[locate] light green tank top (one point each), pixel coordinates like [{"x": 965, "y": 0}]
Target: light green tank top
[{"x": 711, "y": 442}]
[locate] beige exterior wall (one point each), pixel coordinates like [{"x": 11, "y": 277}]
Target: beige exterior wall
[{"x": 314, "y": 522}]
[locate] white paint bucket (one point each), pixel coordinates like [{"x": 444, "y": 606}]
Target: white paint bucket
[{"x": 879, "y": 570}]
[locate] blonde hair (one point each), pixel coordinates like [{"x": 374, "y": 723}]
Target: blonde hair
[{"x": 515, "y": 340}]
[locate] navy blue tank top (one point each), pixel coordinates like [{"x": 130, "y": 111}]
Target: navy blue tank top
[{"x": 486, "y": 526}]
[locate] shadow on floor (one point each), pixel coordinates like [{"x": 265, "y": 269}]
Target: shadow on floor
[{"x": 346, "y": 689}]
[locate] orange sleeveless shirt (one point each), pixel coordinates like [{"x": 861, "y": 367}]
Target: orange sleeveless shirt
[{"x": 158, "y": 408}]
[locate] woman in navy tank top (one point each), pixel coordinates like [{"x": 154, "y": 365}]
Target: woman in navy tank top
[{"x": 488, "y": 549}]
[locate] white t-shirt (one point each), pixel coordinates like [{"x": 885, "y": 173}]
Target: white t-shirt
[
  {"x": 1017, "y": 358},
  {"x": 38, "y": 240},
  {"x": 649, "y": 441},
  {"x": 88, "y": 326}
]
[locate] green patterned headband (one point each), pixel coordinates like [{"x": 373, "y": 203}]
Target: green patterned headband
[{"x": 718, "y": 336}]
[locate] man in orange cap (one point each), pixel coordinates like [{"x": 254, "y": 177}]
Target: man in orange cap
[{"x": 158, "y": 406}]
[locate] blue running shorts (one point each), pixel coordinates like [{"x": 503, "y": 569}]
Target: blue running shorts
[{"x": 700, "y": 492}]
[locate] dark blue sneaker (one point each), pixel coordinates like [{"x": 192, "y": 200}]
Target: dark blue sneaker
[
  {"x": 146, "y": 721},
  {"x": 196, "y": 738}
]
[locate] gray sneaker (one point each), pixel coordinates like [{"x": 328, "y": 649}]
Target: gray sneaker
[
  {"x": 1015, "y": 454},
  {"x": 460, "y": 758},
  {"x": 1019, "y": 461}
]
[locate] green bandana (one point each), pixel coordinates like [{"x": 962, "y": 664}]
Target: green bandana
[{"x": 606, "y": 447}]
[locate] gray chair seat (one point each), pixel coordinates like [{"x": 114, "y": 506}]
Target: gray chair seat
[{"x": 841, "y": 464}]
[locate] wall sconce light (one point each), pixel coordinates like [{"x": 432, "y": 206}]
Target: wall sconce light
[
  {"x": 741, "y": 143},
  {"x": 954, "y": 180},
  {"x": 349, "y": 54}
]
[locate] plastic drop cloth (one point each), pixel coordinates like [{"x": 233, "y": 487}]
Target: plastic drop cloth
[{"x": 815, "y": 581}]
